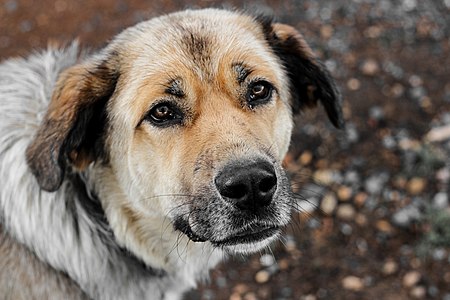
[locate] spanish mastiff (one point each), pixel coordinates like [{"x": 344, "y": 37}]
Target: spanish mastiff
[{"x": 130, "y": 172}]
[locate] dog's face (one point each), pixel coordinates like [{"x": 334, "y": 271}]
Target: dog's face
[{"x": 188, "y": 118}]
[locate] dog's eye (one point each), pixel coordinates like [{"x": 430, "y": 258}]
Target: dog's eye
[
  {"x": 259, "y": 92},
  {"x": 164, "y": 114}
]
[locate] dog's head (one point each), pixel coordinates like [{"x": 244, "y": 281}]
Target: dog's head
[{"x": 187, "y": 118}]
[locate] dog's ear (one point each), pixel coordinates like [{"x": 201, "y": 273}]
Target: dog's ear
[
  {"x": 310, "y": 80},
  {"x": 71, "y": 131}
]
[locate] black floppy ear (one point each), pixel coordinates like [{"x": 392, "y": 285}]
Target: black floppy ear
[
  {"x": 310, "y": 80},
  {"x": 72, "y": 129}
]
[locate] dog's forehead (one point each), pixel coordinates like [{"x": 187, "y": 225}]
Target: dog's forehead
[{"x": 197, "y": 40}]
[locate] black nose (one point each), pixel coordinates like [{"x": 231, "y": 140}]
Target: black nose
[{"x": 248, "y": 185}]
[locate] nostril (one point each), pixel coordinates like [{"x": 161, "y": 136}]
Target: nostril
[
  {"x": 267, "y": 184},
  {"x": 234, "y": 191}
]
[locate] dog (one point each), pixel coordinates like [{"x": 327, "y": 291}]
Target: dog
[{"x": 130, "y": 172}]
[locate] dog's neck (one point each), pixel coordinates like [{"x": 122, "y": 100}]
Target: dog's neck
[{"x": 88, "y": 200}]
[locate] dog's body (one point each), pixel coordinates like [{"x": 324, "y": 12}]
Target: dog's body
[{"x": 128, "y": 174}]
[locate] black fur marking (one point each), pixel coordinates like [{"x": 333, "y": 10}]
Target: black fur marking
[
  {"x": 306, "y": 72},
  {"x": 198, "y": 46},
  {"x": 308, "y": 77},
  {"x": 174, "y": 88},
  {"x": 266, "y": 22},
  {"x": 242, "y": 72},
  {"x": 88, "y": 132}
]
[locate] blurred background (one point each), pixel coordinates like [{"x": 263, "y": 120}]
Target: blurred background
[{"x": 376, "y": 220}]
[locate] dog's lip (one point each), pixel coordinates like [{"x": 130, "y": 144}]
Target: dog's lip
[
  {"x": 248, "y": 235},
  {"x": 183, "y": 226}
]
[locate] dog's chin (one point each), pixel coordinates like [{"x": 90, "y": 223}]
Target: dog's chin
[
  {"x": 249, "y": 244},
  {"x": 244, "y": 241}
]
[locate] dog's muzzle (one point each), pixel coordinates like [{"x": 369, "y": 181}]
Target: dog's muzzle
[{"x": 244, "y": 205}]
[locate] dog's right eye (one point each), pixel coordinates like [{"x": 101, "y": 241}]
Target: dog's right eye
[
  {"x": 164, "y": 114},
  {"x": 259, "y": 92}
]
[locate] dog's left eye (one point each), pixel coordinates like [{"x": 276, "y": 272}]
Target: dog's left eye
[
  {"x": 164, "y": 114},
  {"x": 259, "y": 92}
]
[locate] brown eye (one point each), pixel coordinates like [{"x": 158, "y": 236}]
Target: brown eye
[
  {"x": 259, "y": 92},
  {"x": 164, "y": 114}
]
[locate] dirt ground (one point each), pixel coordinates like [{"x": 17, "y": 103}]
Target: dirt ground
[{"x": 376, "y": 222}]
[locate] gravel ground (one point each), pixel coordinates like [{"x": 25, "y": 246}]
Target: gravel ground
[{"x": 376, "y": 220}]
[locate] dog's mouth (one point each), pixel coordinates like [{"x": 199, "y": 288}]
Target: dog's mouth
[{"x": 248, "y": 236}]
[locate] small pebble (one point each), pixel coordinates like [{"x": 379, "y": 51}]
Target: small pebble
[
  {"x": 267, "y": 260},
  {"x": 326, "y": 31},
  {"x": 344, "y": 193},
  {"x": 418, "y": 292},
  {"x": 305, "y": 158},
  {"x": 439, "y": 254},
  {"x": 345, "y": 212},
  {"x": 352, "y": 283},
  {"x": 416, "y": 186},
  {"x": 241, "y": 289},
  {"x": 235, "y": 296},
  {"x": 375, "y": 183},
  {"x": 384, "y": 226},
  {"x": 262, "y": 276},
  {"x": 390, "y": 267},
  {"x": 361, "y": 220},
  {"x": 353, "y": 84},
  {"x": 405, "y": 216},
  {"x": 250, "y": 296},
  {"x": 411, "y": 279},
  {"x": 346, "y": 229},
  {"x": 376, "y": 113},
  {"x": 440, "y": 200},
  {"x": 329, "y": 203},
  {"x": 370, "y": 67},
  {"x": 283, "y": 264},
  {"x": 360, "y": 199},
  {"x": 324, "y": 177},
  {"x": 443, "y": 175}
]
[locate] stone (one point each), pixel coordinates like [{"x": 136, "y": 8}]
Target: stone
[
  {"x": 352, "y": 283},
  {"x": 370, "y": 67},
  {"x": 324, "y": 177},
  {"x": 418, "y": 292},
  {"x": 346, "y": 212},
  {"x": 266, "y": 260},
  {"x": 329, "y": 204},
  {"x": 405, "y": 216},
  {"x": 384, "y": 226},
  {"x": 375, "y": 183},
  {"x": 416, "y": 185},
  {"x": 344, "y": 193},
  {"x": 353, "y": 84},
  {"x": 360, "y": 199},
  {"x": 411, "y": 279},
  {"x": 440, "y": 200},
  {"x": 262, "y": 276},
  {"x": 390, "y": 267},
  {"x": 305, "y": 158}
]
